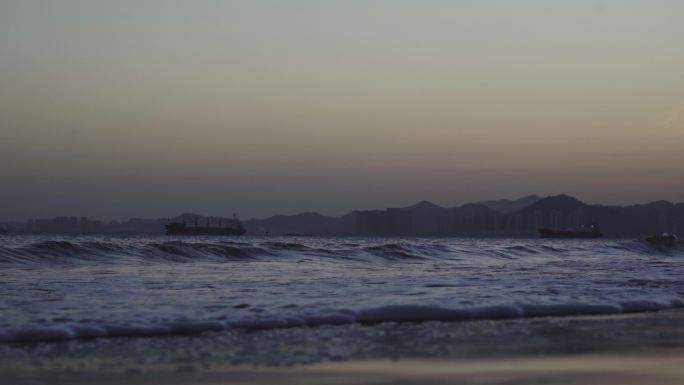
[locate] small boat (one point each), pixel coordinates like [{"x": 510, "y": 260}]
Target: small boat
[
  {"x": 664, "y": 239},
  {"x": 182, "y": 228},
  {"x": 592, "y": 232}
]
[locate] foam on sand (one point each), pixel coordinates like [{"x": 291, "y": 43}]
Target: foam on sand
[{"x": 375, "y": 315}]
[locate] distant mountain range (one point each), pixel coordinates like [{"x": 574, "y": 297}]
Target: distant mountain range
[{"x": 504, "y": 217}]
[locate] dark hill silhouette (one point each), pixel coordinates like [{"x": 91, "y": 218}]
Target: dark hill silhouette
[
  {"x": 678, "y": 225},
  {"x": 472, "y": 219},
  {"x": 424, "y": 206},
  {"x": 305, "y": 223},
  {"x": 657, "y": 217},
  {"x": 558, "y": 202},
  {"x": 566, "y": 212},
  {"x": 472, "y": 209},
  {"x": 428, "y": 218},
  {"x": 504, "y": 217},
  {"x": 510, "y": 206}
]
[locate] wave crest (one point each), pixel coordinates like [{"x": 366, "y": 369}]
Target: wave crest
[
  {"x": 375, "y": 315},
  {"x": 176, "y": 251}
]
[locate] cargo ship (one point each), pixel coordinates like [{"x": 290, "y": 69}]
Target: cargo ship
[
  {"x": 592, "y": 232},
  {"x": 234, "y": 227}
]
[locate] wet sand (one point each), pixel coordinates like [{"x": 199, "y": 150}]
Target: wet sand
[
  {"x": 576, "y": 370},
  {"x": 626, "y": 349}
]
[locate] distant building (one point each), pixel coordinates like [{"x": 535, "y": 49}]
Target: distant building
[
  {"x": 84, "y": 225},
  {"x": 370, "y": 222},
  {"x": 576, "y": 219},
  {"x": 538, "y": 219},
  {"x": 391, "y": 222},
  {"x": 399, "y": 222},
  {"x": 61, "y": 225},
  {"x": 556, "y": 220}
]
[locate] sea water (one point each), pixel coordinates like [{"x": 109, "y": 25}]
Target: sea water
[{"x": 67, "y": 287}]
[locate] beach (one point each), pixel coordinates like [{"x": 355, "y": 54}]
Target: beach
[
  {"x": 341, "y": 192},
  {"x": 101, "y": 310},
  {"x": 643, "y": 348}
]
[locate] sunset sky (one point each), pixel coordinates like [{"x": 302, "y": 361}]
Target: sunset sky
[{"x": 150, "y": 108}]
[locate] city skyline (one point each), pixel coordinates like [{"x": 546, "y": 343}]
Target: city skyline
[
  {"x": 498, "y": 218},
  {"x": 497, "y": 204}
]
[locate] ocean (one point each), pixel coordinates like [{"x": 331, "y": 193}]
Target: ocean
[{"x": 77, "y": 287}]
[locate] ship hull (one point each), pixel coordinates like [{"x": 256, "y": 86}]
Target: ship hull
[{"x": 548, "y": 233}]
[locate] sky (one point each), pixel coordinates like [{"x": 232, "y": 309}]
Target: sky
[{"x": 150, "y": 108}]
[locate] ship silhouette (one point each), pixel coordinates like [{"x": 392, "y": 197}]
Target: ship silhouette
[{"x": 592, "y": 232}]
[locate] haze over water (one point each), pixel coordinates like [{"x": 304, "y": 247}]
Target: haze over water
[{"x": 150, "y": 108}]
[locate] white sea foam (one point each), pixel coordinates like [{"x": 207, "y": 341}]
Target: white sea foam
[
  {"x": 573, "y": 309},
  {"x": 391, "y": 313},
  {"x": 54, "y": 289}
]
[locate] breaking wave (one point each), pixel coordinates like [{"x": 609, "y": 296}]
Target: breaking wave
[
  {"x": 176, "y": 251},
  {"x": 75, "y": 287},
  {"x": 375, "y": 315}
]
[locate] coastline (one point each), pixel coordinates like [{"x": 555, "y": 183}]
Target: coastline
[{"x": 625, "y": 349}]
